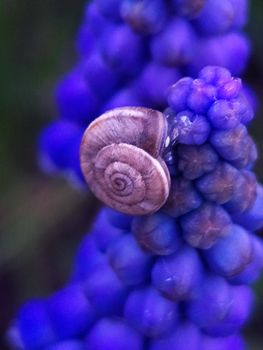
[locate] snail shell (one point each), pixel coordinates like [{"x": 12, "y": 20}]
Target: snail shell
[{"x": 121, "y": 159}]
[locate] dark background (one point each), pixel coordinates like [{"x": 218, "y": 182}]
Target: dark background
[{"x": 42, "y": 219}]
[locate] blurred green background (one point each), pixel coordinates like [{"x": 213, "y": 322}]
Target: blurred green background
[{"x": 42, "y": 219}]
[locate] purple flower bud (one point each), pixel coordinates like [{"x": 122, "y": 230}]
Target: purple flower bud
[
  {"x": 236, "y": 146},
  {"x": 57, "y": 145},
  {"x": 178, "y": 93},
  {"x": 245, "y": 109},
  {"x": 130, "y": 263},
  {"x": 225, "y": 114},
  {"x": 150, "y": 313},
  {"x": 231, "y": 254},
  {"x": 157, "y": 233},
  {"x": 201, "y": 96},
  {"x": 101, "y": 78},
  {"x": 195, "y": 161},
  {"x": 221, "y": 51},
  {"x": 239, "y": 309},
  {"x": 235, "y": 45},
  {"x": 75, "y": 99},
  {"x": 252, "y": 219},
  {"x": 215, "y": 75},
  {"x": 167, "y": 51},
  {"x": 113, "y": 334},
  {"x": 70, "y": 312},
  {"x": 114, "y": 45},
  {"x": 104, "y": 232},
  {"x": 34, "y": 326},
  {"x": 182, "y": 198},
  {"x": 177, "y": 276},
  {"x": 104, "y": 290},
  {"x": 254, "y": 268},
  {"x": 218, "y": 16},
  {"x": 245, "y": 191},
  {"x": 205, "y": 225},
  {"x": 219, "y": 185},
  {"x": 211, "y": 305},
  {"x": 226, "y": 307},
  {"x": 145, "y": 17},
  {"x": 230, "y": 144},
  {"x": 230, "y": 89},
  {"x": 88, "y": 256},
  {"x": 193, "y": 129}
]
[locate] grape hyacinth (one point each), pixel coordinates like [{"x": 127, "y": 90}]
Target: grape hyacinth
[
  {"x": 179, "y": 278},
  {"x": 128, "y": 53}
]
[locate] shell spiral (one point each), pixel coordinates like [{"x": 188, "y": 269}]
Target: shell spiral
[{"x": 121, "y": 159}]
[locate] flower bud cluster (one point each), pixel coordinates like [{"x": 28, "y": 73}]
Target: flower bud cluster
[
  {"x": 179, "y": 278},
  {"x": 129, "y": 52},
  {"x": 125, "y": 293}
]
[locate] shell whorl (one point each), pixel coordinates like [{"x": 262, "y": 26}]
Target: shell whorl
[{"x": 121, "y": 159}]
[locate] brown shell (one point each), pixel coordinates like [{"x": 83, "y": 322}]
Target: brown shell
[{"x": 120, "y": 159}]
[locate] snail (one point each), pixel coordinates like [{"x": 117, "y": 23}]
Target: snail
[{"x": 122, "y": 159}]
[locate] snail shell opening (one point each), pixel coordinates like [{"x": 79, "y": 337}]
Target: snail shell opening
[{"x": 121, "y": 159}]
